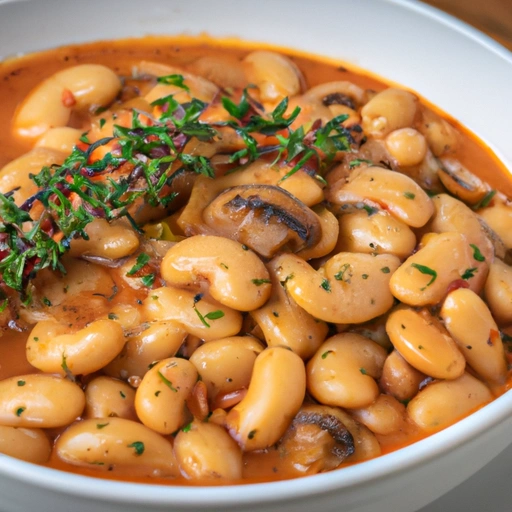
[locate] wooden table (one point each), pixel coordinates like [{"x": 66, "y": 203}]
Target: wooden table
[{"x": 493, "y": 17}]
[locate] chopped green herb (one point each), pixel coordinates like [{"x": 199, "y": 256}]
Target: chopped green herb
[
  {"x": 166, "y": 381},
  {"x": 259, "y": 282},
  {"x": 67, "y": 371},
  {"x": 46, "y": 302},
  {"x": 485, "y": 200},
  {"x": 477, "y": 255},
  {"x": 357, "y": 162},
  {"x": 469, "y": 273},
  {"x": 35, "y": 338},
  {"x": 148, "y": 280},
  {"x": 157, "y": 392},
  {"x": 244, "y": 247},
  {"x": 365, "y": 276},
  {"x": 340, "y": 275},
  {"x": 138, "y": 446},
  {"x": 251, "y": 434},
  {"x": 427, "y": 271},
  {"x": 363, "y": 371},
  {"x": 286, "y": 279},
  {"x": 4, "y": 305},
  {"x": 122, "y": 394},
  {"x": 223, "y": 265},
  {"x": 421, "y": 347},
  {"x": 325, "y": 354},
  {"x": 112, "y": 316},
  {"x": 275, "y": 313},
  {"x": 326, "y": 285},
  {"x": 142, "y": 260},
  {"x": 102, "y": 123},
  {"x": 19, "y": 411},
  {"x": 212, "y": 315},
  {"x": 187, "y": 427},
  {"x": 409, "y": 195},
  {"x": 99, "y": 426},
  {"x": 385, "y": 270},
  {"x": 21, "y": 383}
]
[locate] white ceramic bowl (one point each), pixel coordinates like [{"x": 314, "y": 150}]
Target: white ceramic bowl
[{"x": 454, "y": 66}]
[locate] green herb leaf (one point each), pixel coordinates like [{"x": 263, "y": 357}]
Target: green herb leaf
[
  {"x": 469, "y": 273},
  {"x": 166, "y": 381},
  {"x": 259, "y": 282},
  {"x": 425, "y": 270},
  {"x": 142, "y": 260},
  {"x": 138, "y": 446},
  {"x": 477, "y": 255},
  {"x": 326, "y": 285}
]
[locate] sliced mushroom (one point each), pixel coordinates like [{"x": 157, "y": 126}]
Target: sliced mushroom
[
  {"x": 317, "y": 440},
  {"x": 460, "y": 182},
  {"x": 266, "y": 218}
]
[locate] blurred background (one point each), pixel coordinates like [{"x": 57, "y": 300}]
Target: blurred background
[{"x": 491, "y": 16}]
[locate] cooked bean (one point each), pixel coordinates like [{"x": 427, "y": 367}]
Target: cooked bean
[
  {"x": 424, "y": 343},
  {"x": 498, "y": 292},
  {"x": 349, "y": 288},
  {"x": 407, "y": 146},
  {"x": 471, "y": 325},
  {"x": 276, "y": 392},
  {"x": 206, "y": 450},
  {"x": 441, "y": 136},
  {"x": 16, "y": 174},
  {"x": 396, "y": 192},
  {"x": 50, "y": 104},
  {"x": 275, "y": 75},
  {"x": 62, "y": 138},
  {"x": 374, "y": 232},
  {"x": 159, "y": 340},
  {"x": 39, "y": 400},
  {"x": 424, "y": 278},
  {"x": 226, "y": 365},
  {"x": 106, "y": 240},
  {"x": 116, "y": 443},
  {"x": 237, "y": 277},
  {"x": 344, "y": 369},
  {"x": 384, "y": 416},
  {"x": 499, "y": 217},
  {"x": 399, "y": 378},
  {"x": 51, "y": 347},
  {"x": 389, "y": 110},
  {"x": 199, "y": 316},
  {"x": 284, "y": 322},
  {"x": 30, "y": 444},
  {"x": 444, "y": 402},
  {"x": 106, "y": 397},
  {"x": 160, "y": 398}
]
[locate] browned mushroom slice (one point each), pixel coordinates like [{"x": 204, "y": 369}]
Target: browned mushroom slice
[
  {"x": 266, "y": 218},
  {"x": 461, "y": 182},
  {"x": 317, "y": 440}
]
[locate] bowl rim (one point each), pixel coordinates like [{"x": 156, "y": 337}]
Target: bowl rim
[{"x": 396, "y": 462}]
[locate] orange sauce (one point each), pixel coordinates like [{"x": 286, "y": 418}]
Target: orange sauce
[{"x": 19, "y": 76}]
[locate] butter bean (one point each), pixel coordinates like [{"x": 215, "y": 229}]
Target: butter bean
[
  {"x": 29, "y": 444},
  {"x": 473, "y": 328},
  {"x": 206, "y": 450},
  {"x": 344, "y": 370},
  {"x": 117, "y": 443},
  {"x": 444, "y": 402},
  {"x": 160, "y": 397},
  {"x": 276, "y": 392},
  {"x": 424, "y": 343},
  {"x": 39, "y": 400}
]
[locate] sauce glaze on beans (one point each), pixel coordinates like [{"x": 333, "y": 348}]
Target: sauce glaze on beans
[{"x": 276, "y": 355}]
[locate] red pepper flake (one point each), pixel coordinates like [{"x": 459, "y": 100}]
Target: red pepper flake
[
  {"x": 455, "y": 285},
  {"x": 494, "y": 336},
  {"x": 68, "y": 100}
]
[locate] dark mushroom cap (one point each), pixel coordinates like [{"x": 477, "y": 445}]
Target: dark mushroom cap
[{"x": 266, "y": 218}]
